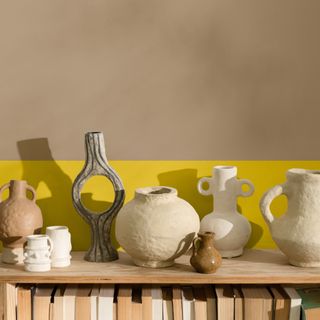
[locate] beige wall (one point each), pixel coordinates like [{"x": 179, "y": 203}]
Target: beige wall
[{"x": 170, "y": 79}]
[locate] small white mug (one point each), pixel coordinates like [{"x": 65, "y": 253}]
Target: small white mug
[
  {"x": 61, "y": 238},
  {"x": 37, "y": 252}
]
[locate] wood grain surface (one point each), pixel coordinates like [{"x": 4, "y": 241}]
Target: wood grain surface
[{"x": 254, "y": 266}]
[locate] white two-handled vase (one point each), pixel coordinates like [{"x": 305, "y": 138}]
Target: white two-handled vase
[
  {"x": 297, "y": 232},
  {"x": 37, "y": 251},
  {"x": 61, "y": 238},
  {"x": 232, "y": 230}
]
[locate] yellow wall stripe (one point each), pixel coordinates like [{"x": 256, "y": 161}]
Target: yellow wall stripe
[{"x": 53, "y": 181}]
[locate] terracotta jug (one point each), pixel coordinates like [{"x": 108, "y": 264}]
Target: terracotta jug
[
  {"x": 205, "y": 257},
  {"x": 296, "y": 232},
  {"x": 19, "y": 217}
]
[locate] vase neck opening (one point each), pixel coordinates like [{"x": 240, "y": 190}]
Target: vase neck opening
[
  {"x": 18, "y": 189},
  {"x": 152, "y": 193},
  {"x": 206, "y": 237},
  {"x": 95, "y": 147},
  {"x": 297, "y": 174}
]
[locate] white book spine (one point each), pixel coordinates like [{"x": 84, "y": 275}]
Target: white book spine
[
  {"x": 188, "y": 311},
  {"x": 156, "y": 294},
  {"x": 105, "y": 303},
  {"x": 69, "y": 305},
  {"x": 295, "y": 303}
]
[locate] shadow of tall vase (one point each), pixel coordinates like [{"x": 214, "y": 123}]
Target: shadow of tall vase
[{"x": 43, "y": 172}]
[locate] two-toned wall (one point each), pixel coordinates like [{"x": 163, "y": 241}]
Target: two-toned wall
[{"x": 176, "y": 87}]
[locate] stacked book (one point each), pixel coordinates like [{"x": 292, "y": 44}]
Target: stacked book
[{"x": 187, "y": 302}]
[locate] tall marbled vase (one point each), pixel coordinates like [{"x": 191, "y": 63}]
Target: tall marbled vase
[{"x": 101, "y": 249}]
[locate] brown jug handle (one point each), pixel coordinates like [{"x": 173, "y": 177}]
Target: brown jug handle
[
  {"x": 4, "y": 187},
  {"x": 34, "y": 194},
  {"x": 195, "y": 245}
]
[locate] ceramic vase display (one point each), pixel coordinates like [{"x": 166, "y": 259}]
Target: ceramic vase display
[
  {"x": 101, "y": 249},
  {"x": 37, "y": 253},
  {"x": 19, "y": 217},
  {"x": 205, "y": 257},
  {"x": 297, "y": 232},
  {"x": 156, "y": 226},
  {"x": 232, "y": 230},
  {"x": 61, "y": 238}
]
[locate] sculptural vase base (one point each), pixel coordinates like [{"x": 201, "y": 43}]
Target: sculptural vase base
[
  {"x": 12, "y": 255},
  {"x": 231, "y": 253},
  {"x": 89, "y": 256},
  {"x": 153, "y": 264},
  {"x": 302, "y": 264}
]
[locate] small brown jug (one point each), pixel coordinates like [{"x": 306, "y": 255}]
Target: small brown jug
[
  {"x": 19, "y": 217},
  {"x": 205, "y": 257}
]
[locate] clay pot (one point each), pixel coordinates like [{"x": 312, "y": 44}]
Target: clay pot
[
  {"x": 156, "y": 227},
  {"x": 19, "y": 217},
  {"x": 205, "y": 257}
]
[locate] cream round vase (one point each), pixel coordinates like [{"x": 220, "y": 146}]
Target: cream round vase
[
  {"x": 297, "y": 232},
  {"x": 156, "y": 227}
]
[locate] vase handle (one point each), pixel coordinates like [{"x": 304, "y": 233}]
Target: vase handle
[
  {"x": 266, "y": 200},
  {"x": 34, "y": 194},
  {"x": 4, "y": 187},
  {"x": 205, "y": 192},
  {"x": 246, "y": 182},
  {"x": 194, "y": 242}
]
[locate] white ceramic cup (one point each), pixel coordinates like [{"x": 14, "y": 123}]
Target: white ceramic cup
[
  {"x": 61, "y": 238},
  {"x": 37, "y": 252}
]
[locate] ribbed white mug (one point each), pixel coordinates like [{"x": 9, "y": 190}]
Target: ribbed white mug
[{"x": 37, "y": 251}]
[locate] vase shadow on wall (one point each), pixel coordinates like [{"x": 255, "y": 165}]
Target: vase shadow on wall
[
  {"x": 185, "y": 181},
  {"x": 43, "y": 173}
]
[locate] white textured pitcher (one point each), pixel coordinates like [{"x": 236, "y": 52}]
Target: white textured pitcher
[
  {"x": 232, "y": 230},
  {"x": 297, "y": 232}
]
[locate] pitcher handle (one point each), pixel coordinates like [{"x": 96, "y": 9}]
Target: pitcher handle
[
  {"x": 266, "y": 200},
  {"x": 4, "y": 187},
  {"x": 205, "y": 192},
  {"x": 195, "y": 245},
  {"x": 34, "y": 194},
  {"x": 247, "y": 182}
]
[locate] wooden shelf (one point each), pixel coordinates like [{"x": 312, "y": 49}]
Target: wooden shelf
[{"x": 254, "y": 266}]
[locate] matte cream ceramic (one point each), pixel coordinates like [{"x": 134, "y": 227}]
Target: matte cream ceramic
[
  {"x": 232, "y": 230},
  {"x": 156, "y": 226},
  {"x": 37, "y": 251},
  {"x": 61, "y": 238},
  {"x": 19, "y": 217},
  {"x": 297, "y": 232}
]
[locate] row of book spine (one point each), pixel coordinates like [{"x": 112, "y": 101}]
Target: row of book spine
[{"x": 187, "y": 302}]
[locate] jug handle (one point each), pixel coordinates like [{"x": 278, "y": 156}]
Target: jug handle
[
  {"x": 205, "y": 192},
  {"x": 4, "y": 187},
  {"x": 195, "y": 240},
  {"x": 266, "y": 200},
  {"x": 248, "y": 183},
  {"x": 34, "y": 194}
]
